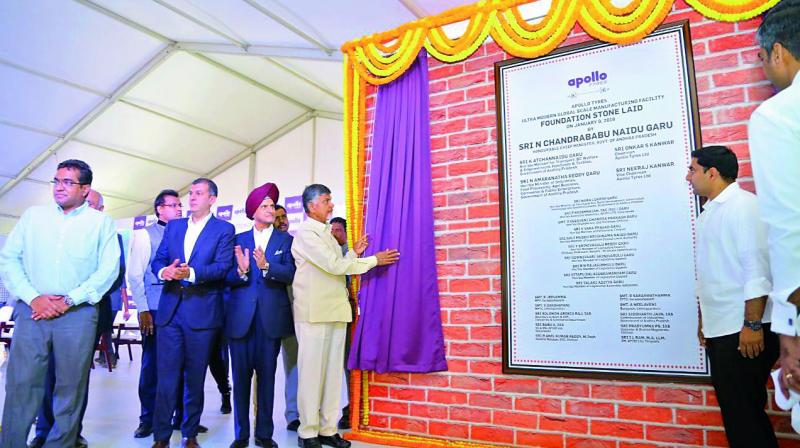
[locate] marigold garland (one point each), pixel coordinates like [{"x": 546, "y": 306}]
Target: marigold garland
[{"x": 379, "y": 59}]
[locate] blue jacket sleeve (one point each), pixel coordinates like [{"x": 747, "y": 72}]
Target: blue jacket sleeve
[
  {"x": 283, "y": 270},
  {"x": 232, "y": 278}
]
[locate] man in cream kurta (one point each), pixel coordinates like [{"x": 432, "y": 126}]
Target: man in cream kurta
[{"x": 321, "y": 312}]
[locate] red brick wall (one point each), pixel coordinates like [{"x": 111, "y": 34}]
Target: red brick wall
[{"x": 474, "y": 400}]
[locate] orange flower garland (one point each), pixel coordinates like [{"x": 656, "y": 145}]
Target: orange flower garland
[{"x": 379, "y": 59}]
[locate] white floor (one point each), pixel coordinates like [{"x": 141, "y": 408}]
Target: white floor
[{"x": 113, "y": 411}]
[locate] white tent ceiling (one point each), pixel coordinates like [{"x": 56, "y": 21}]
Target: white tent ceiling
[{"x": 154, "y": 93}]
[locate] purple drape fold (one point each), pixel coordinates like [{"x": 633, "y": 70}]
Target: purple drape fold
[{"x": 400, "y": 327}]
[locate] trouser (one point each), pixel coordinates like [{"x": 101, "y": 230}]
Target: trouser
[
  {"x": 148, "y": 376},
  {"x": 256, "y": 353},
  {"x": 347, "y": 341},
  {"x": 219, "y": 363},
  {"x": 148, "y": 379},
  {"x": 44, "y": 419},
  {"x": 289, "y": 354},
  {"x": 68, "y": 339},
  {"x": 741, "y": 387},
  {"x": 182, "y": 352},
  {"x": 319, "y": 362}
]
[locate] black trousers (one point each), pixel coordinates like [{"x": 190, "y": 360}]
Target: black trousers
[
  {"x": 219, "y": 364},
  {"x": 741, "y": 387}
]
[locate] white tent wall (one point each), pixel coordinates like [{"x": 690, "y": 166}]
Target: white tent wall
[
  {"x": 155, "y": 94},
  {"x": 311, "y": 153}
]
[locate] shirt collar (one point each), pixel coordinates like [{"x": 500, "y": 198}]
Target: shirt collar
[
  {"x": 267, "y": 231},
  {"x": 74, "y": 211},
  {"x": 316, "y": 225},
  {"x": 200, "y": 223},
  {"x": 725, "y": 194}
]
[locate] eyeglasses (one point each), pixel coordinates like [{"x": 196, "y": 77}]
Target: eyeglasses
[
  {"x": 178, "y": 205},
  {"x": 67, "y": 183}
]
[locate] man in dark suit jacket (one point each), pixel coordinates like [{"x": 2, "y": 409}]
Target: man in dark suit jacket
[
  {"x": 193, "y": 259},
  {"x": 259, "y": 314}
]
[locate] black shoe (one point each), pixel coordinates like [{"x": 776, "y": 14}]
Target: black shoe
[
  {"x": 335, "y": 440},
  {"x": 293, "y": 425},
  {"x": 201, "y": 429},
  {"x": 344, "y": 422},
  {"x": 240, "y": 443},
  {"x": 36, "y": 442},
  {"x": 308, "y": 443},
  {"x": 143, "y": 431},
  {"x": 225, "y": 408},
  {"x": 81, "y": 442},
  {"x": 266, "y": 443}
]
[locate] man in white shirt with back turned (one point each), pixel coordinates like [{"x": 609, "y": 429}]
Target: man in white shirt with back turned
[
  {"x": 775, "y": 152},
  {"x": 733, "y": 281}
]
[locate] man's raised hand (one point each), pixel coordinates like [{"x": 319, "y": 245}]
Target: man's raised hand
[
  {"x": 387, "y": 257},
  {"x": 242, "y": 259}
]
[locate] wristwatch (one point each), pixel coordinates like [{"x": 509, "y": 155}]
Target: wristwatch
[
  {"x": 68, "y": 301},
  {"x": 754, "y": 325}
]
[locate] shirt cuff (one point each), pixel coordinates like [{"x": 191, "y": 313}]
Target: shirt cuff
[
  {"x": 161, "y": 274},
  {"x": 28, "y": 296},
  {"x": 191, "y": 278},
  {"x": 757, "y": 287},
  {"x": 783, "y": 294},
  {"x": 141, "y": 302},
  {"x": 784, "y": 317},
  {"x": 81, "y": 295},
  {"x": 372, "y": 261}
]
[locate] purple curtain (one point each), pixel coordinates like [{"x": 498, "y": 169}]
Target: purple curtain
[{"x": 400, "y": 328}]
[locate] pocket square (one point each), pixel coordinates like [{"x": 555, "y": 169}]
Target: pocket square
[{"x": 278, "y": 252}]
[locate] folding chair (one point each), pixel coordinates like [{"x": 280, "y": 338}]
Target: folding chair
[
  {"x": 127, "y": 331},
  {"x": 6, "y": 325}
]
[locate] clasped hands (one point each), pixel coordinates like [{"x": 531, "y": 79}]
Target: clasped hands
[
  {"x": 48, "y": 306},
  {"x": 385, "y": 257},
  {"x": 176, "y": 271},
  {"x": 243, "y": 259}
]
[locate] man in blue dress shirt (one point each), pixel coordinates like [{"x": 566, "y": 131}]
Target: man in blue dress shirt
[{"x": 59, "y": 261}]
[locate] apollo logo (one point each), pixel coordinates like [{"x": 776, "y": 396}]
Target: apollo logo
[
  {"x": 595, "y": 76},
  {"x": 294, "y": 204},
  {"x": 139, "y": 222},
  {"x": 225, "y": 212}
]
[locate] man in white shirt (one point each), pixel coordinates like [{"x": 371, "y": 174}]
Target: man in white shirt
[
  {"x": 775, "y": 153},
  {"x": 733, "y": 281},
  {"x": 193, "y": 259},
  {"x": 259, "y": 314}
]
